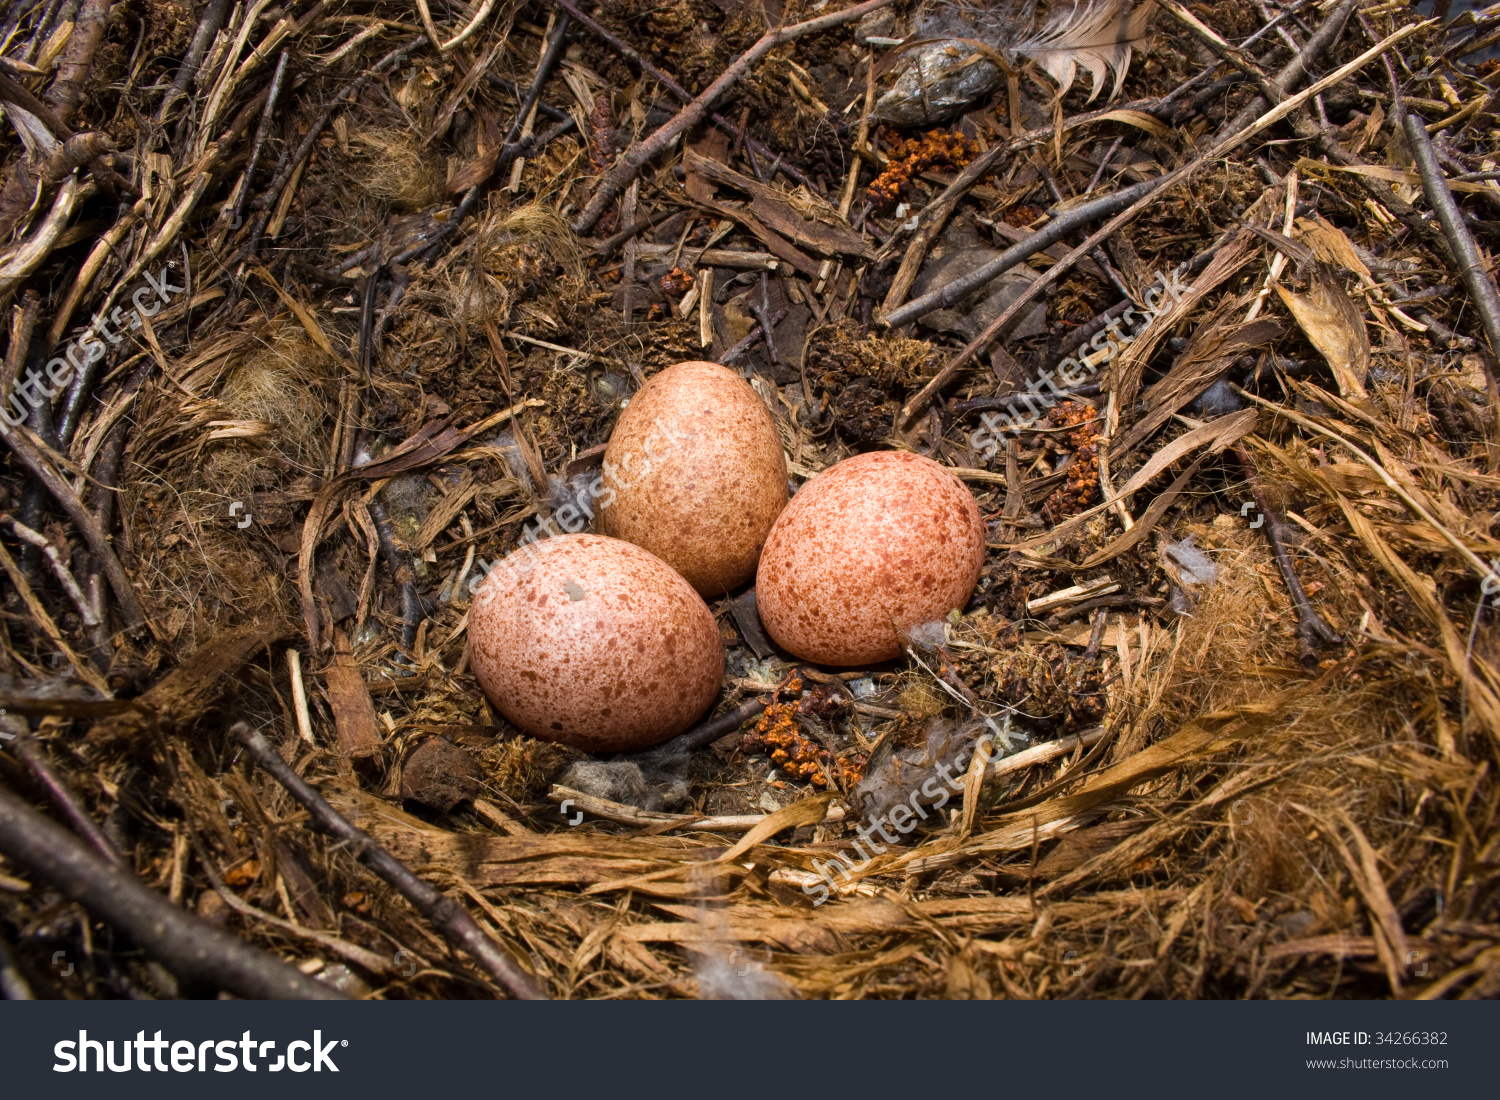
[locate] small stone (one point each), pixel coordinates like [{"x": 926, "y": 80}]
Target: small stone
[
  {"x": 212, "y": 908},
  {"x": 877, "y": 24},
  {"x": 439, "y": 774}
]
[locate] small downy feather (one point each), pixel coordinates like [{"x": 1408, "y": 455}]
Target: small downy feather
[{"x": 1097, "y": 35}]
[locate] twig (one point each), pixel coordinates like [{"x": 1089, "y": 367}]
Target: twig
[
  {"x": 706, "y": 733},
  {"x": 1044, "y": 753},
  {"x": 625, "y": 169},
  {"x": 451, "y": 918},
  {"x": 919, "y": 403},
  {"x": 514, "y": 89},
  {"x": 104, "y": 553},
  {"x": 1274, "y": 92},
  {"x": 1050, "y": 234},
  {"x": 209, "y": 26},
  {"x": 1224, "y": 50},
  {"x": 513, "y": 147},
  {"x": 757, "y": 330},
  {"x": 102, "y": 252},
  {"x": 630, "y": 53},
  {"x": 44, "y": 620},
  {"x": 607, "y": 246},
  {"x": 12, "y": 91},
  {"x": 78, "y": 57},
  {"x": 544, "y": 66},
  {"x": 1312, "y": 632},
  {"x": 402, "y": 571},
  {"x": 65, "y": 800},
  {"x": 1471, "y": 267},
  {"x": 664, "y": 822},
  {"x": 1097, "y": 255},
  {"x": 474, "y": 25},
  {"x": 59, "y": 568},
  {"x": 1099, "y": 172},
  {"x": 935, "y": 215},
  {"x": 23, "y": 323},
  {"x": 30, "y": 253},
  {"x": 242, "y": 192},
  {"x": 268, "y": 199},
  {"x": 762, "y": 311},
  {"x": 933, "y": 219},
  {"x": 360, "y": 956},
  {"x": 1298, "y": 66},
  {"x": 193, "y": 950},
  {"x": 527, "y": 117}
]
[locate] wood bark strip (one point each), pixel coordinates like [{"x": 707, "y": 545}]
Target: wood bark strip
[
  {"x": 353, "y": 713},
  {"x": 187, "y": 692}
]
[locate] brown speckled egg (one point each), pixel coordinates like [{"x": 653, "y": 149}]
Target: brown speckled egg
[
  {"x": 593, "y": 642},
  {"x": 879, "y": 543},
  {"x": 694, "y": 473}
]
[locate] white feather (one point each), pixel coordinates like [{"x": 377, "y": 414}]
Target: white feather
[{"x": 1097, "y": 35}]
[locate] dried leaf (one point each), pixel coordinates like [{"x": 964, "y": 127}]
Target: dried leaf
[
  {"x": 1329, "y": 244},
  {"x": 1333, "y": 325}
]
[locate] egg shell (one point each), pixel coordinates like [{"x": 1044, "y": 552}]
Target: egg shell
[
  {"x": 878, "y": 543},
  {"x": 595, "y": 643},
  {"x": 694, "y": 472}
]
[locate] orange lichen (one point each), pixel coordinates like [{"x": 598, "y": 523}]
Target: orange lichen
[
  {"x": 912, "y": 155},
  {"x": 1083, "y": 473},
  {"x": 676, "y": 282},
  {"x": 776, "y": 735},
  {"x": 244, "y": 874}
]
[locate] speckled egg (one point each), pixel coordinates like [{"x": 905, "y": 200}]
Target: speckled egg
[
  {"x": 694, "y": 473},
  {"x": 876, "y": 544},
  {"x": 595, "y": 643}
]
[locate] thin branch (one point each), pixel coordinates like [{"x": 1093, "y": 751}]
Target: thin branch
[
  {"x": 450, "y": 917},
  {"x": 243, "y": 191},
  {"x": 1177, "y": 176},
  {"x": 751, "y": 338},
  {"x": 104, "y": 553},
  {"x": 65, "y": 800},
  {"x": 1470, "y": 265},
  {"x": 43, "y": 620},
  {"x": 633, "y": 55},
  {"x": 1312, "y": 631},
  {"x": 78, "y": 57},
  {"x": 431, "y": 28},
  {"x": 544, "y": 67},
  {"x": 706, "y": 733},
  {"x": 618, "y": 177},
  {"x": 59, "y": 568},
  {"x": 195, "y": 951},
  {"x": 1054, "y": 231},
  {"x": 1295, "y": 69},
  {"x": 267, "y": 200},
  {"x": 203, "y": 36}
]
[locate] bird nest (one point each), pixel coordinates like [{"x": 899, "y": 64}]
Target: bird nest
[{"x": 1232, "y": 435}]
